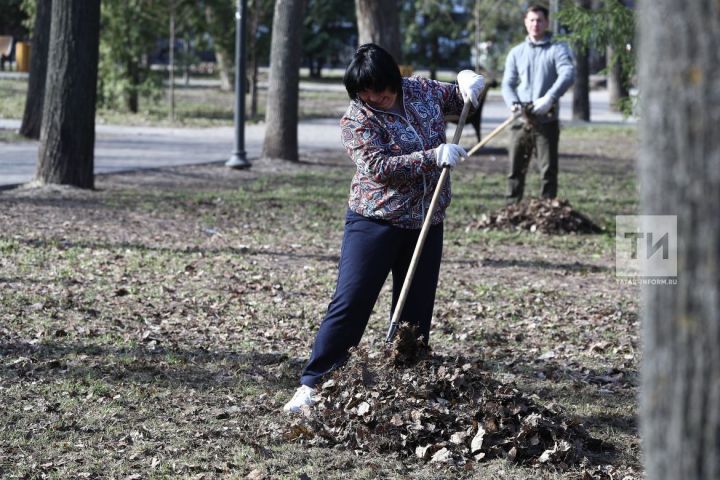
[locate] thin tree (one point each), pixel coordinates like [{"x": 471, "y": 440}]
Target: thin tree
[
  {"x": 607, "y": 25},
  {"x": 679, "y": 77},
  {"x": 171, "y": 62},
  {"x": 253, "y": 64},
  {"x": 67, "y": 138},
  {"x": 379, "y": 23},
  {"x": 581, "y": 88},
  {"x": 617, "y": 86},
  {"x": 219, "y": 23},
  {"x": 32, "y": 117},
  {"x": 617, "y": 78},
  {"x": 281, "y": 117}
]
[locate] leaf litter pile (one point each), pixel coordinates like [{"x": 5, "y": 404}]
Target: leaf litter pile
[
  {"x": 549, "y": 216},
  {"x": 408, "y": 402}
]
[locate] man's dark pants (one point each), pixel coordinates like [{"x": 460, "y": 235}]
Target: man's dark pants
[
  {"x": 370, "y": 250},
  {"x": 542, "y": 139}
]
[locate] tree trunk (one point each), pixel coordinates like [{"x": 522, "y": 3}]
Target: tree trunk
[
  {"x": 67, "y": 138},
  {"x": 32, "y": 117},
  {"x": 281, "y": 116},
  {"x": 224, "y": 67},
  {"x": 581, "y": 88},
  {"x": 616, "y": 87},
  {"x": 254, "y": 90},
  {"x": 253, "y": 63},
  {"x": 679, "y": 73},
  {"x": 186, "y": 60},
  {"x": 379, "y": 23},
  {"x": 434, "y": 56},
  {"x": 221, "y": 56},
  {"x": 132, "y": 98},
  {"x": 171, "y": 62}
]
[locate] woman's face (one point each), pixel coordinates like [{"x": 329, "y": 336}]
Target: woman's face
[{"x": 383, "y": 100}]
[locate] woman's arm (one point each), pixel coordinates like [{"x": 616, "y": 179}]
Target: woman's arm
[{"x": 378, "y": 158}]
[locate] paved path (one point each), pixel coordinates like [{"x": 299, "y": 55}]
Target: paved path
[{"x": 123, "y": 148}]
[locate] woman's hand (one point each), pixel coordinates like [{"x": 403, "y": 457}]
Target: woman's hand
[
  {"x": 449, "y": 154},
  {"x": 471, "y": 85}
]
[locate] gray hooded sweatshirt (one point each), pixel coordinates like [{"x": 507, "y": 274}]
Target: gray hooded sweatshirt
[{"x": 533, "y": 69}]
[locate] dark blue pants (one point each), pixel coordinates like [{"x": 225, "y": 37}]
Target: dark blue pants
[
  {"x": 370, "y": 250},
  {"x": 543, "y": 138}
]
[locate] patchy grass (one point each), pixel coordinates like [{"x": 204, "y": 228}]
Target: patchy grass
[
  {"x": 153, "y": 328},
  {"x": 10, "y": 136},
  {"x": 12, "y": 97},
  {"x": 195, "y": 106},
  {"x": 209, "y": 106}
]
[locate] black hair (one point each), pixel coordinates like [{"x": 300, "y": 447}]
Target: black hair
[
  {"x": 372, "y": 68},
  {"x": 538, "y": 8}
]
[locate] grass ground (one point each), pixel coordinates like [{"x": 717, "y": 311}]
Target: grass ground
[
  {"x": 154, "y": 327},
  {"x": 11, "y": 136}
]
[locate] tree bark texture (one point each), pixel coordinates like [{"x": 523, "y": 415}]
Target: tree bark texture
[
  {"x": 67, "y": 139},
  {"x": 616, "y": 88},
  {"x": 581, "y": 88},
  {"x": 281, "y": 117},
  {"x": 379, "y": 23},
  {"x": 132, "y": 99},
  {"x": 32, "y": 116},
  {"x": 679, "y": 78}
]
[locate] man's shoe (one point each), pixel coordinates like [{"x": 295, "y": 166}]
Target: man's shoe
[{"x": 303, "y": 396}]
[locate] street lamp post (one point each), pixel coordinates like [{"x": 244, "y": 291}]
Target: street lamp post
[{"x": 239, "y": 156}]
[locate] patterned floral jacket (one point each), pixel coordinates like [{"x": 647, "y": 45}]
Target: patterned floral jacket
[{"x": 396, "y": 164}]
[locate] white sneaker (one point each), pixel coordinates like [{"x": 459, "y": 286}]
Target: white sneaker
[{"x": 303, "y": 396}]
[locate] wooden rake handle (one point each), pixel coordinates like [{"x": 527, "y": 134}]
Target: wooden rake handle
[
  {"x": 423, "y": 233},
  {"x": 495, "y": 132},
  {"x": 426, "y": 224}
]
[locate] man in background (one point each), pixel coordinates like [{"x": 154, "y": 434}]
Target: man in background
[{"x": 539, "y": 70}]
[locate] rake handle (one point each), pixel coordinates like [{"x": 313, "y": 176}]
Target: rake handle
[
  {"x": 495, "y": 132},
  {"x": 433, "y": 204},
  {"x": 424, "y": 232}
]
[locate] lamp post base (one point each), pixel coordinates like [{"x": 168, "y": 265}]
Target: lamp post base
[{"x": 238, "y": 161}]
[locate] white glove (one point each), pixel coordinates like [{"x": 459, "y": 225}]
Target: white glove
[
  {"x": 471, "y": 85},
  {"x": 448, "y": 154},
  {"x": 542, "y": 105}
]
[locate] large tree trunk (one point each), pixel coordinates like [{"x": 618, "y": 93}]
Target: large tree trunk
[
  {"x": 281, "y": 117},
  {"x": 379, "y": 23},
  {"x": 32, "y": 117},
  {"x": 679, "y": 73},
  {"x": 617, "y": 90},
  {"x": 581, "y": 88},
  {"x": 67, "y": 139}
]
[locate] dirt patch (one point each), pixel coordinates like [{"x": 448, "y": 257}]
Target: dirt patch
[{"x": 549, "y": 216}]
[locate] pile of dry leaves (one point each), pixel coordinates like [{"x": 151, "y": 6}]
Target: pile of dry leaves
[
  {"x": 550, "y": 216},
  {"x": 439, "y": 409}
]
